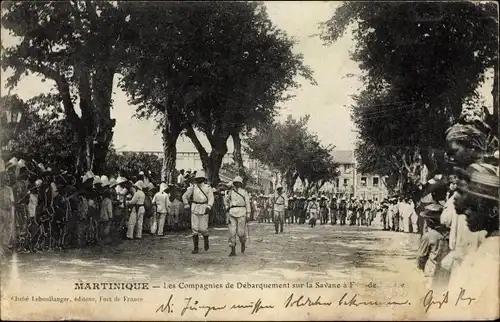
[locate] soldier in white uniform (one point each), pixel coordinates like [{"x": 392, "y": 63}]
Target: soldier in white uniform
[
  {"x": 280, "y": 204},
  {"x": 313, "y": 209},
  {"x": 201, "y": 197},
  {"x": 137, "y": 215},
  {"x": 237, "y": 201}
]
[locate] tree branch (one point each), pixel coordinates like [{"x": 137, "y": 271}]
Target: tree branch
[{"x": 190, "y": 133}]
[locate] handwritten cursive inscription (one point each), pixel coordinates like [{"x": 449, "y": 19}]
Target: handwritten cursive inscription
[
  {"x": 302, "y": 301},
  {"x": 255, "y": 306},
  {"x": 166, "y": 307},
  {"x": 353, "y": 301},
  {"x": 430, "y": 301},
  {"x": 462, "y": 298},
  {"x": 194, "y": 306}
]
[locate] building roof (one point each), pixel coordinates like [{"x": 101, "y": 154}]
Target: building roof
[{"x": 343, "y": 156}]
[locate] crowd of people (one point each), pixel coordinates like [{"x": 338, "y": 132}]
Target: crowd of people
[
  {"x": 45, "y": 208},
  {"x": 456, "y": 212},
  {"x": 461, "y": 235}
]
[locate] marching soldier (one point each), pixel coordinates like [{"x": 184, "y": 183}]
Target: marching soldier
[
  {"x": 313, "y": 209},
  {"x": 201, "y": 197},
  {"x": 269, "y": 208},
  {"x": 260, "y": 208},
  {"x": 385, "y": 208},
  {"x": 295, "y": 209},
  {"x": 333, "y": 210},
  {"x": 280, "y": 204},
  {"x": 343, "y": 208},
  {"x": 361, "y": 213},
  {"x": 237, "y": 202},
  {"x": 323, "y": 210},
  {"x": 289, "y": 210}
]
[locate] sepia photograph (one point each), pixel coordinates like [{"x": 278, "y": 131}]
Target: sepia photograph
[{"x": 249, "y": 160}]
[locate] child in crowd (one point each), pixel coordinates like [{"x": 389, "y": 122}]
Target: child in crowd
[{"x": 433, "y": 248}]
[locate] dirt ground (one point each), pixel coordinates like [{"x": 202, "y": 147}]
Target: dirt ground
[{"x": 300, "y": 253}]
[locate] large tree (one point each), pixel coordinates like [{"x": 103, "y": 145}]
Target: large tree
[
  {"x": 295, "y": 153},
  {"x": 220, "y": 73},
  {"x": 160, "y": 68},
  {"x": 43, "y": 137},
  {"x": 77, "y": 45},
  {"x": 421, "y": 63}
]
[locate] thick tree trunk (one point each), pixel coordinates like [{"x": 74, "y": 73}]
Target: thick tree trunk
[
  {"x": 219, "y": 150},
  {"x": 190, "y": 133},
  {"x": 171, "y": 131},
  {"x": 169, "y": 160},
  {"x": 290, "y": 180},
  {"x": 213, "y": 162},
  {"x": 102, "y": 90},
  {"x": 237, "y": 156},
  {"x": 494, "y": 92}
]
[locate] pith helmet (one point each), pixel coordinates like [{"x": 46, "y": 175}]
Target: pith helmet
[
  {"x": 139, "y": 184},
  {"x": 104, "y": 181},
  {"x": 97, "y": 181},
  {"x": 121, "y": 180},
  {"x": 112, "y": 182},
  {"x": 200, "y": 174}
]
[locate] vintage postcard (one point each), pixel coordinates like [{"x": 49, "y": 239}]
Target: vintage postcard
[{"x": 213, "y": 160}]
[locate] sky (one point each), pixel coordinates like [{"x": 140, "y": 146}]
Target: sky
[{"x": 326, "y": 103}]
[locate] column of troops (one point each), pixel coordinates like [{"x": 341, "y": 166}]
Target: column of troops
[{"x": 332, "y": 210}]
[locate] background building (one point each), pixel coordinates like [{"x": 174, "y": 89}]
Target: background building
[
  {"x": 352, "y": 183},
  {"x": 260, "y": 174}
]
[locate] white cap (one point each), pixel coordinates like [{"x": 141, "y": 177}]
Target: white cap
[
  {"x": 12, "y": 163},
  {"x": 496, "y": 154},
  {"x": 141, "y": 173},
  {"x": 40, "y": 165},
  {"x": 238, "y": 179},
  {"x": 97, "y": 180},
  {"x": 163, "y": 186},
  {"x": 38, "y": 183},
  {"x": 21, "y": 163},
  {"x": 279, "y": 186},
  {"x": 104, "y": 181},
  {"x": 121, "y": 180},
  {"x": 200, "y": 174},
  {"x": 139, "y": 184}
]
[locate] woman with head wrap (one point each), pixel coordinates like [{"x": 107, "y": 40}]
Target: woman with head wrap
[
  {"x": 466, "y": 143},
  {"x": 479, "y": 273}
]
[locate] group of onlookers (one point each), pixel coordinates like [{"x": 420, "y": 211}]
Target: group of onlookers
[
  {"x": 460, "y": 245},
  {"x": 44, "y": 208}
]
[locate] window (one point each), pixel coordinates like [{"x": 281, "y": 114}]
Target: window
[
  {"x": 346, "y": 182},
  {"x": 363, "y": 181},
  {"x": 337, "y": 182},
  {"x": 347, "y": 168},
  {"x": 375, "y": 181}
]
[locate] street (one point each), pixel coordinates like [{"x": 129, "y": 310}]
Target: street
[
  {"x": 300, "y": 253},
  {"x": 373, "y": 264}
]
